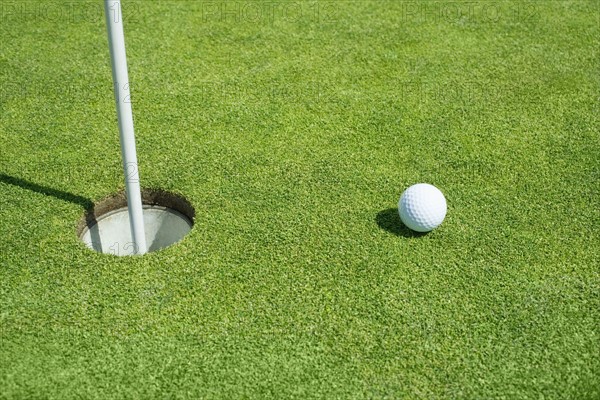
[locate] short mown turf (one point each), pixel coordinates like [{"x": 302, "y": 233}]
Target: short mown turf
[{"x": 293, "y": 128}]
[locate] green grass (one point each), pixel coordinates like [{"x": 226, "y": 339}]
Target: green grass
[{"x": 293, "y": 136}]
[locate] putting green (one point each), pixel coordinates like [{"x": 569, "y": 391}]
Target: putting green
[{"x": 292, "y": 129}]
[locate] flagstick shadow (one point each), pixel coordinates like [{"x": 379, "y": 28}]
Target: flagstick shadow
[{"x": 84, "y": 202}]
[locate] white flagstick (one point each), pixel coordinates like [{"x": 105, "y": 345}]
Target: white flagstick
[{"x": 116, "y": 41}]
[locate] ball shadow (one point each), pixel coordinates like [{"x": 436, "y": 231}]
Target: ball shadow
[{"x": 389, "y": 220}]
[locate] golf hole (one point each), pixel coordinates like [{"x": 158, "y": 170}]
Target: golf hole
[{"x": 167, "y": 219}]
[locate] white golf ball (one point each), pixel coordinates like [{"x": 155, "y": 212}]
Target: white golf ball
[{"x": 422, "y": 207}]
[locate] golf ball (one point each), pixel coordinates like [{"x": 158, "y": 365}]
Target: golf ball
[{"x": 422, "y": 207}]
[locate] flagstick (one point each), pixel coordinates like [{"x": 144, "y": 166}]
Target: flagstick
[{"x": 116, "y": 41}]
